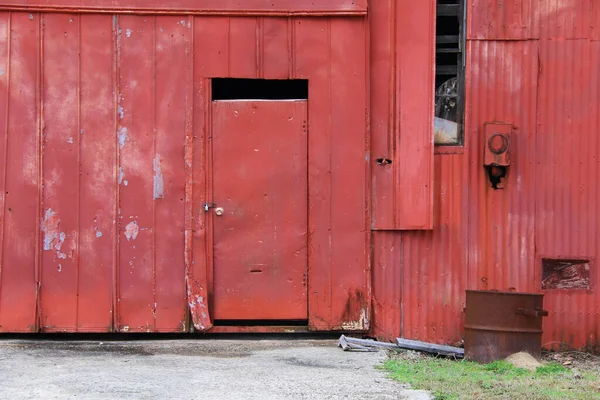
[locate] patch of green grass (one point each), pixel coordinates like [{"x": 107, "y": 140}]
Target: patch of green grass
[
  {"x": 551, "y": 368},
  {"x": 451, "y": 380}
]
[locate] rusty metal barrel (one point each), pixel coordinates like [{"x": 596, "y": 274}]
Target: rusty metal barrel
[{"x": 498, "y": 324}]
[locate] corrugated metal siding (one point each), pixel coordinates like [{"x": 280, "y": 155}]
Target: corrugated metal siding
[
  {"x": 502, "y": 86},
  {"x": 567, "y": 195},
  {"x": 522, "y": 19},
  {"x": 549, "y": 90}
]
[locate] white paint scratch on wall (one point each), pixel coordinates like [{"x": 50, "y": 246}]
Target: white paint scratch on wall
[
  {"x": 122, "y": 136},
  {"x": 131, "y": 230},
  {"x": 159, "y": 188},
  {"x": 53, "y": 239}
]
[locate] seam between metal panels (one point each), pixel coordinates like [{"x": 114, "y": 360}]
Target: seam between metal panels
[
  {"x": 189, "y": 171},
  {"x": 535, "y": 170},
  {"x": 6, "y": 126},
  {"x": 260, "y": 47},
  {"x": 393, "y": 129},
  {"x": 368, "y": 247},
  {"x": 79, "y": 139},
  {"x": 40, "y": 153},
  {"x": 329, "y": 167},
  {"x": 183, "y": 11},
  {"x": 154, "y": 160},
  {"x": 290, "y": 51},
  {"x": 117, "y": 217}
]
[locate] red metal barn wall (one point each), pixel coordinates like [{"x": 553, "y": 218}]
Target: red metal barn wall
[
  {"x": 533, "y": 65},
  {"x": 103, "y": 146}
]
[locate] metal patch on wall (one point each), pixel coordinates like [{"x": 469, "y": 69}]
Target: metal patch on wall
[{"x": 565, "y": 274}]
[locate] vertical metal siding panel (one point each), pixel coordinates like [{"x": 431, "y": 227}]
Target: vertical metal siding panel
[
  {"x": 4, "y": 109},
  {"x": 382, "y": 20},
  {"x": 243, "y": 48},
  {"x": 136, "y": 137},
  {"x": 19, "y": 286},
  {"x": 502, "y": 83},
  {"x": 568, "y": 19},
  {"x": 172, "y": 34},
  {"x": 350, "y": 272},
  {"x": 415, "y": 50},
  {"x": 60, "y": 155},
  {"x": 567, "y": 208},
  {"x": 387, "y": 285},
  {"x": 211, "y": 49},
  {"x": 434, "y": 274},
  {"x": 260, "y": 246},
  {"x": 595, "y": 13},
  {"x": 527, "y": 19},
  {"x": 313, "y": 61},
  {"x": 97, "y": 226},
  {"x": 275, "y": 43}
]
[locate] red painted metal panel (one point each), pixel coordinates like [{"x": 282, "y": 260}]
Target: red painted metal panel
[
  {"x": 382, "y": 18},
  {"x": 21, "y": 217},
  {"x": 349, "y": 176},
  {"x": 403, "y": 190},
  {"x": 243, "y": 49},
  {"x": 244, "y": 7},
  {"x": 567, "y": 222},
  {"x": 415, "y": 49},
  {"x": 331, "y": 55},
  {"x": 211, "y": 51},
  {"x": 518, "y": 19},
  {"x": 60, "y": 164},
  {"x": 502, "y": 82},
  {"x": 312, "y": 45},
  {"x": 275, "y": 47},
  {"x": 595, "y": 13},
  {"x": 260, "y": 162},
  {"x": 137, "y": 105},
  {"x": 97, "y": 206},
  {"x": 435, "y": 263},
  {"x": 171, "y": 39},
  {"x": 419, "y": 278}
]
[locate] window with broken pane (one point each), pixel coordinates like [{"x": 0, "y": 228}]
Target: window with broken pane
[{"x": 449, "y": 79}]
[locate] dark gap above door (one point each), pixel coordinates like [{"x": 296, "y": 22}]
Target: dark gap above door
[
  {"x": 259, "y": 89},
  {"x": 253, "y": 322}
]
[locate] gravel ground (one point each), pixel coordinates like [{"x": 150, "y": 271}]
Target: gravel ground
[{"x": 285, "y": 368}]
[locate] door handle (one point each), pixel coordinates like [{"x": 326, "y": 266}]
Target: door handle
[{"x": 219, "y": 211}]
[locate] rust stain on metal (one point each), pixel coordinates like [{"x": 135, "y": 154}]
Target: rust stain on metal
[
  {"x": 565, "y": 274},
  {"x": 498, "y": 324}
]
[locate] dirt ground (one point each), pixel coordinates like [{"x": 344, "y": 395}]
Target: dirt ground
[{"x": 274, "y": 368}]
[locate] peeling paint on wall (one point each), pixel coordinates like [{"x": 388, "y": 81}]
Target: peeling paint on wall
[
  {"x": 53, "y": 239},
  {"x": 122, "y": 136},
  {"x": 159, "y": 189},
  {"x": 131, "y": 230}
]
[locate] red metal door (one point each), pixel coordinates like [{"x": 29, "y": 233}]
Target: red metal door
[{"x": 260, "y": 190}]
